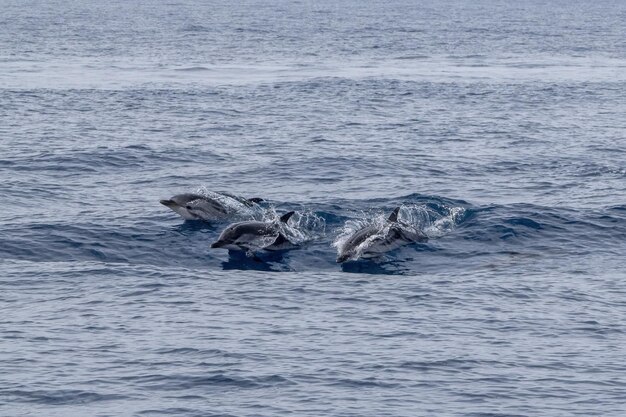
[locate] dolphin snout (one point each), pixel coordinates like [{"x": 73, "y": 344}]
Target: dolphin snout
[
  {"x": 167, "y": 203},
  {"x": 342, "y": 258},
  {"x": 217, "y": 244}
]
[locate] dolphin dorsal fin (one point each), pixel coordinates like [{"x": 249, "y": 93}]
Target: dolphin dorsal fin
[
  {"x": 280, "y": 239},
  {"x": 393, "y": 217},
  {"x": 286, "y": 216}
]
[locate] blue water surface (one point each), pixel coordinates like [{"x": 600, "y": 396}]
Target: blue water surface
[{"x": 500, "y": 124}]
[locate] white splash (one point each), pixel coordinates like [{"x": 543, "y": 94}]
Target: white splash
[
  {"x": 302, "y": 227},
  {"x": 418, "y": 218}
]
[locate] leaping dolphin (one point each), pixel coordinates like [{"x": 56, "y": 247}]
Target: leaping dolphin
[
  {"x": 252, "y": 236},
  {"x": 372, "y": 241},
  {"x": 208, "y": 208}
]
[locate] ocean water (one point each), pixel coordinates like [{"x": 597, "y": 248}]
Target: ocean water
[{"x": 498, "y": 126}]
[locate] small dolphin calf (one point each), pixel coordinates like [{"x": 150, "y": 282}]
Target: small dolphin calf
[
  {"x": 251, "y": 236},
  {"x": 372, "y": 241},
  {"x": 201, "y": 207}
]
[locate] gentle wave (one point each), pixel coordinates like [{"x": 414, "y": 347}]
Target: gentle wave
[{"x": 455, "y": 228}]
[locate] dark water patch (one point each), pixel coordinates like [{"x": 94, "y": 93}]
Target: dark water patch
[
  {"x": 524, "y": 222},
  {"x": 193, "y": 69},
  {"x": 195, "y": 28},
  {"x": 61, "y": 397},
  {"x": 183, "y": 411},
  {"x": 175, "y": 411},
  {"x": 368, "y": 383},
  {"x": 82, "y": 162},
  {"x": 374, "y": 267},
  {"x": 218, "y": 381},
  {"x": 445, "y": 365}
]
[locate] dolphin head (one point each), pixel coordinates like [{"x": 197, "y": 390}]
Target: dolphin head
[
  {"x": 247, "y": 235},
  {"x": 181, "y": 200},
  {"x": 179, "y": 203},
  {"x": 354, "y": 245},
  {"x": 218, "y": 244},
  {"x": 227, "y": 238},
  {"x": 343, "y": 257},
  {"x": 226, "y": 244}
]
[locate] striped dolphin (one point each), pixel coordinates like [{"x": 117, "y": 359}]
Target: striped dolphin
[
  {"x": 217, "y": 207},
  {"x": 373, "y": 240},
  {"x": 252, "y": 236}
]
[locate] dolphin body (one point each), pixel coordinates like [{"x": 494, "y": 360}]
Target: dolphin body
[
  {"x": 251, "y": 236},
  {"x": 201, "y": 207},
  {"x": 378, "y": 241}
]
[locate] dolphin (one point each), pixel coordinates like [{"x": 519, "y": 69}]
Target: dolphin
[
  {"x": 372, "y": 241},
  {"x": 251, "y": 236},
  {"x": 202, "y": 207}
]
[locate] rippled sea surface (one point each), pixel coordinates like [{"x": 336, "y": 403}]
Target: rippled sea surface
[{"x": 504, "y": 121}]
